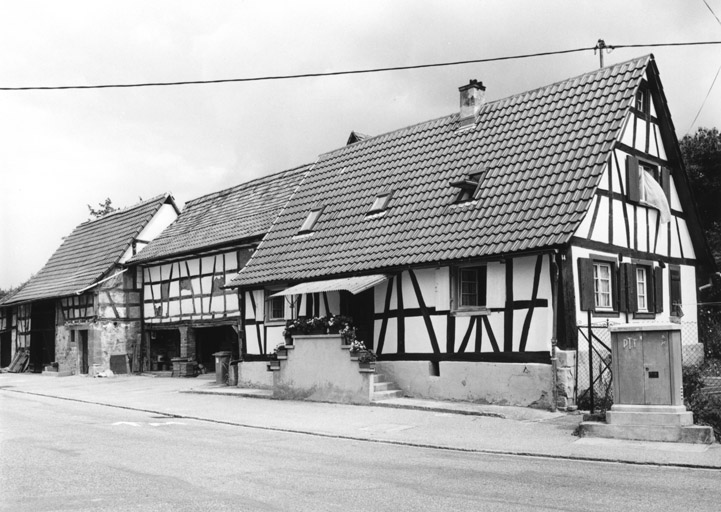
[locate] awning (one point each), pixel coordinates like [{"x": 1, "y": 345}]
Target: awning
[{"x": 355, "y": 285}]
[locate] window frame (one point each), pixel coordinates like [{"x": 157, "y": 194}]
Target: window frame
[
  {"x": 269, "y": 317},
  {"x": 597, "y": 264},
  {"x": 587, "y": 286},
  {"x": 675, "y": 291},
  {"x": 481, "y": 289}
]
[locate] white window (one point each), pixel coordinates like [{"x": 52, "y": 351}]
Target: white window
[
  {"x": 602, "y": 273},
  {"x": 642, "y": 289}
]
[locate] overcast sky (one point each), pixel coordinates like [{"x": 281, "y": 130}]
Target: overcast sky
[{"x": 62, "y": 150}]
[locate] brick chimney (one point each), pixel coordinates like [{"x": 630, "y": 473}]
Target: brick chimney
[{"x": 473, "y": 96}]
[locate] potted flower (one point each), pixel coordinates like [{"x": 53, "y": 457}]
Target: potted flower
[
  {"x": 356, "y": 347},
  {"x": 367, "y": 359}
]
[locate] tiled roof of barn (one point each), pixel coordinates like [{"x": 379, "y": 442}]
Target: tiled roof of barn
[
  {"x": 542, "y": 153},
  {"x": 89, "y": 252},
  {"x": 238, "y": 213}
]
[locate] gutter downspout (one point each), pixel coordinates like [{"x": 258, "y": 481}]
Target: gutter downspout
[{"x": 554, "y": 339}]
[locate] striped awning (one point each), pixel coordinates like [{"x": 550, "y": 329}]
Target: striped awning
[{"x": 355, "y": 285}]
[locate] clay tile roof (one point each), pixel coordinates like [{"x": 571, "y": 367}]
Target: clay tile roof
[
  {"x": 540, "y": 149},
  {"x": 243, "y": 212},
  {"x": 89, "y": 252}
]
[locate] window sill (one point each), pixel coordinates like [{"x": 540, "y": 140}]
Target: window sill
[
  {"x": 275, "y": 322},
  {"x": 606, "y": 314},
  {"x": 479, "y": 311},
  {"x": 644, "y": 315}
]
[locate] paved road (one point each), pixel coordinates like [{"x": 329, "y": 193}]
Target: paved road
[{"x": 63, "y": 455}]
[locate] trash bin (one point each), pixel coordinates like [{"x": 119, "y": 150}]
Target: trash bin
[
  {"x": 222, "y": 360},
  {"x": 233, "y": 373}
]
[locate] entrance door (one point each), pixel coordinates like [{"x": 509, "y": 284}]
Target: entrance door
[
  {"x": 83, "y": 360},
  {"x": 5, "y": 349},
  {"x": 360, "y": 308}
]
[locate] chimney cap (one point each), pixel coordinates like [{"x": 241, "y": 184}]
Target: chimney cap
[{"x": 472, "y": 84}]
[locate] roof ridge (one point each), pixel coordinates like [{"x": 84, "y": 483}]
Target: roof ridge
[
  {"x": 246, "y": 184},
  {"x": 648, "y": 56},
  {"x": 126, "y": 209}
]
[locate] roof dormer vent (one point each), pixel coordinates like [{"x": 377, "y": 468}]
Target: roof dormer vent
[{"x": 473, "y": 96}]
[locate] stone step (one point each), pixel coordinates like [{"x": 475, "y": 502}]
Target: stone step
[
  {"x": 383, "y": 386},
  {"x": 385, "y": 395}
]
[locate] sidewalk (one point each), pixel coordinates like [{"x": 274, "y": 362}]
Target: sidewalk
[{"x": 427, "y": 423}]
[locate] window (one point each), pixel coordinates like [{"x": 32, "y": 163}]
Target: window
[
  {"x": 469, "y": 185},
  {"x": 642, "y": 101},
  {"x": 674, "y": 272},
  {"x": 380, "y": 203},
  {"x": 275, "y": 307},
  {"x": 642, "y": 177},
  {"x": 598, "y": 283},
  {"x": 470, "y": 283},
  {"x": 602, "y": 286},
  {"x": 642, "y": 289},
  {"x": 311, "y": 220}
]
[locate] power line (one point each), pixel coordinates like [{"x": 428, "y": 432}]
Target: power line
[
  {"x": 348, "y": 72},
  {"x": 704, "y": 100},
  {"x": 714, "y": 14}
]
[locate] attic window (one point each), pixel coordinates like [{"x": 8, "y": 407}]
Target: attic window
[
  {"x": 381, "y": 203},
  {"x": 468, "y": 186},
  {"x": 311, "y": 220},
  {"x": 642, "y": 101}
]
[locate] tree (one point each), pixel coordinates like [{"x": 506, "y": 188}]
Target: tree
[
  {"x": 702, "y": 157},
  {"x": 104, "y": 209}
]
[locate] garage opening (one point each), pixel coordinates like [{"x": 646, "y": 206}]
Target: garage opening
[
  {"x": 42, "y": 335},
  {"x": 5, "y": 349},
  {"x": 164, "y": 346},
  {"x": 209, "y": 340}
]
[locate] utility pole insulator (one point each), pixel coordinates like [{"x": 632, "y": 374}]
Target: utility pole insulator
[{"x": 600, "y": 47}]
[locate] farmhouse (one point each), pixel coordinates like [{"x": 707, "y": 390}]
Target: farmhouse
[
  {"x": 468, "y": 249},
  {"x": 187, "y": 314},
  {"x": 82, "y": 309}
]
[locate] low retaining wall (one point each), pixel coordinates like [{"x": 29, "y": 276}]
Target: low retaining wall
[
  {"x": 493, "y": 383},
  {"x": 318, "y": 369},
  {"x": 254, "y": 374}
]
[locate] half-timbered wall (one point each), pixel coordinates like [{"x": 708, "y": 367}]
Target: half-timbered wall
[
  {"x": 191, "y": 289},
  {"x": 414, "y": 315},
  {"x": 78, "y": 307},
  {"x": 625, "y": 228},
  {"x": 22, "y": 322}
]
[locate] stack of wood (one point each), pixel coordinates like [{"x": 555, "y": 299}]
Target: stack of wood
[{"x": 20, "y": 362}]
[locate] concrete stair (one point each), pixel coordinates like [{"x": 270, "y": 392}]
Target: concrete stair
[{"x": 384, "y": 389}]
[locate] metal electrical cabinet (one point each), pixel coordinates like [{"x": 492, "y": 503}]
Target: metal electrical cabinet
[{"x": 647, "y": 364}]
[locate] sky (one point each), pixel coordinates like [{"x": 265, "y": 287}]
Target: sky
[{"x": 64, "y": 149}]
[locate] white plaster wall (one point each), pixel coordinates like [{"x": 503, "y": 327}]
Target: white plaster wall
[
  {"x": 164, "y": 217},
  {"x": 493, "y": 383},
  {"x": 254, "y": 374},
  {"x": 319, "y": 369}
]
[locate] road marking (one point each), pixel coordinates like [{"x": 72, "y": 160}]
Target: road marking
[
  {"x": 136, "y": 424},
  {"x": 386, "y": 427}
]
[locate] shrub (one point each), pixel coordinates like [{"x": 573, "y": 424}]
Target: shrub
[{"x": 706, "y": 407}]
